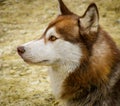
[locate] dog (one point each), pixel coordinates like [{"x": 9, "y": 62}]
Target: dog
[{"x": 84, "y": 60}]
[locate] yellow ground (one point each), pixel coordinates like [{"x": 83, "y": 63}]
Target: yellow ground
[{"x": 25, "y": 20}]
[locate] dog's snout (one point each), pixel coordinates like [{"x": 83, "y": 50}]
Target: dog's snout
[{"x": 21, "y": 50}]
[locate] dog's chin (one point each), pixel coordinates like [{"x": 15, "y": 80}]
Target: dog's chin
[{"x": 43, "y": 62}]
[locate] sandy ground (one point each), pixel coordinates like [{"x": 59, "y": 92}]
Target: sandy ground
[{"x": 25, "y": 20}]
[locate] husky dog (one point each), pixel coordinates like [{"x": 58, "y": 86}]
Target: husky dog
[{"x": 84, "y": 60}]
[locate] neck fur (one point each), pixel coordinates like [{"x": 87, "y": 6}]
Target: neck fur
[{"x": 58, "y": 73}]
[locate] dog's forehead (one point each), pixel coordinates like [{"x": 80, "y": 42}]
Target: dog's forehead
[
  {"x": 63, "y": 25},
  {"x": 64, "y": 20}
]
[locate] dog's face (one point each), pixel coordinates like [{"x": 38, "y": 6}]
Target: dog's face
[
  {"x": 62, "y": 41},
  {"x": 58, "y": 43}
]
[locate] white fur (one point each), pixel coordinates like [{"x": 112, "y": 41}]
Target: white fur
[
  {"x": 62, "y": 55},
  {"x": 57, "y": 76}
]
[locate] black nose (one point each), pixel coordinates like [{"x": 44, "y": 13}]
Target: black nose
[{"x": 20, "y": 50}]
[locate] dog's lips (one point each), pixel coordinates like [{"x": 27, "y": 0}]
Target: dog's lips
[
  {"x": 43, "y": 61},
  {"x": 30, "y": 62}
]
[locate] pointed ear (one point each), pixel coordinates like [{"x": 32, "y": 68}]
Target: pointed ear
[
  {"x": 90, "y": 19},
  {"x": 63, "y": 9}
]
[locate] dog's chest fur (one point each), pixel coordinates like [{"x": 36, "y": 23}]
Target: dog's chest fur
[{"x": 57, "y": 77}]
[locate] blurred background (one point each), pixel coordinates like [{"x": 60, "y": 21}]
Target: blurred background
[{"x": 25, "y": 20}]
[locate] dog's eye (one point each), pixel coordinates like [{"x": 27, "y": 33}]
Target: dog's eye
[{"x": 52, "y": 38}]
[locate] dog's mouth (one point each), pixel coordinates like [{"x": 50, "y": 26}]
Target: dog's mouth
[
  {"x": 43, "y": 61},
  {"x": 39, "y": 62}
]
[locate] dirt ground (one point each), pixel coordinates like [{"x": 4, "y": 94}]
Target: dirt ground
[{"x": 25, "y": 20}]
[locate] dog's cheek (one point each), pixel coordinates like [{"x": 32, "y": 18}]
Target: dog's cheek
[
  {"x": 53, "y": 54},
  {"x": 68, "y": 51}
]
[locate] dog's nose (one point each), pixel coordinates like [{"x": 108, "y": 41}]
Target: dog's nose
[{"x": 21, "y": 50}]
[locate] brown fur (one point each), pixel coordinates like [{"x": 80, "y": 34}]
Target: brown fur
[
  {"x": 93, "y": 73},
  {"x": 94, "y": 82}
]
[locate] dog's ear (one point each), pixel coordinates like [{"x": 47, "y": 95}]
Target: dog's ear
[
  {"x": 90, "y": 19},
  {"x": 63, "y": 8}
]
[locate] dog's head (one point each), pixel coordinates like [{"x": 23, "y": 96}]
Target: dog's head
[{"x": 66, "y": 39}]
